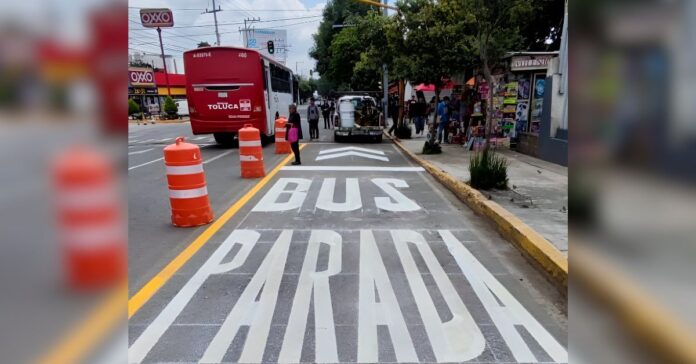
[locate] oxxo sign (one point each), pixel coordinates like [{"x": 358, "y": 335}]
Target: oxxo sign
[
  {"x": 141, "y": 77},
  {"x": 156, "y": 18}
]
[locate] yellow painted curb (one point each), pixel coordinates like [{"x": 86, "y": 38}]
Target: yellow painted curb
[
  {"x": 530, "y": 242},
  {"x": 643, "y": 316}
]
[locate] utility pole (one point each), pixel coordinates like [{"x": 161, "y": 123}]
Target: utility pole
[
  {"x": 246, "y": 30},
  {"x": 385, "y": 81},
  {"x": 164, "y": 62},
  {"x": 214, "y": 11},
  {"x": 296, "y": 63}
]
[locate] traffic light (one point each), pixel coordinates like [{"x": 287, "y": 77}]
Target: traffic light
[{"x": 271, "y": 49}]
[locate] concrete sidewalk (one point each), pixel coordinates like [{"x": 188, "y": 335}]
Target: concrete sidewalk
[{"x": 538, "y": 193}]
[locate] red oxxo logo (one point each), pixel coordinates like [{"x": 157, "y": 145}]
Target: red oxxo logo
[
  {"x": 141, "y": 77},
  {"x": 153, "y": 18}
]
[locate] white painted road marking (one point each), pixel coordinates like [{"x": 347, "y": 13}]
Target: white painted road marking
[
  {"x": 396, "y": 202},
  {"x": 377, "y": 302},
  {"x": 351, "y": 153},
  {"x": 146, "y": 163},
  {"x": 219, "y": 156},
  {"x": 141, "y": 151},
  {"x": 359, "y": 149},
  {"x": 353, "y": 168},
  {"x": 200, "y": 138}
]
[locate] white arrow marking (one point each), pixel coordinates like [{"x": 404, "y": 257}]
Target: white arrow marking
[
  {"x": 375, "y": 151},
  {"x": 357, "y": 154}
]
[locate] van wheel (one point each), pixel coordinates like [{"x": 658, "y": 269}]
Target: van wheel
[{"x": 227, "y": 139}]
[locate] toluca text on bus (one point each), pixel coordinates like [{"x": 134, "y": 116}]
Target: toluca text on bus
[{"x": 228, "y": 87}]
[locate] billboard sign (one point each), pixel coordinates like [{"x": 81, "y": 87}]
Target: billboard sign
[
  {"x": 141, "y": 77},
  {"x": 258, "y": 39},
  {"x": 524, "y": 63},
  {"x": 156, "y": 18}
]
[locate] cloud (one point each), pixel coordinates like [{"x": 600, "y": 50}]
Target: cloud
[{"x": 191, "y": 27}]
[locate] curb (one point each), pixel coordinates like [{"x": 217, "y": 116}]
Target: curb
[{"x": 526, "y": 239}]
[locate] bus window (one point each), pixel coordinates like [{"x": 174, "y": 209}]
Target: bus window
[{"x": 280, "y": 79}]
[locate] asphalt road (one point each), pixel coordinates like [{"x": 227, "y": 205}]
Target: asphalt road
[{"x": 355, "y": 256}]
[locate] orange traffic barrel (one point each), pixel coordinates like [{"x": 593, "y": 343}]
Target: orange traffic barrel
[
  {"x": 250, "y": 152},
  {"x": 188, "y": 194},
  {"x": 91, "y": 228},
  {"x": 282, "y": 146}
]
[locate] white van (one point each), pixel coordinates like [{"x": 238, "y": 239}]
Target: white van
[{"x": 183, "y": 108}]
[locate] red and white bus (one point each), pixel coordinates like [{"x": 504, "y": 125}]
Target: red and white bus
[{"x": 228, "y": 87}]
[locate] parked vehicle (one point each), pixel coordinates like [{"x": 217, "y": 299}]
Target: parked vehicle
[{"x": 357, "y": 118}]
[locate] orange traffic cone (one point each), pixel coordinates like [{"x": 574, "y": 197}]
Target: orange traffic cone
[{"x": 188, "y": 194}]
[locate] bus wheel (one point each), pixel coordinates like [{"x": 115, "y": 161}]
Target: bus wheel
[
  {"x": 227, "y": 139},
  {"x": 266, "y": 139}
]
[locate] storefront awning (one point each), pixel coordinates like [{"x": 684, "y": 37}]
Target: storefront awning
[{"x": 423, "y": 87}]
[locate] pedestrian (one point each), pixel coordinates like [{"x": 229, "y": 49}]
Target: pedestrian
[
  {"x": 332, "y": 111},
  {"x": 325, "y": 113},
  {"x": 420, "y": 112},
  {"x": 393, "y": 108},
  {"x": 313, "y": 119},
  {"x": 444, "y": 115},
  {"x": 293, "y": 133}
]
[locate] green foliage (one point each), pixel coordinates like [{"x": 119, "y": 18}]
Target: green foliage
[
  {"x": 170, "y": 106},
  {"x": 336, "y": 12},
  {"x": 488, "y": 170},
  {"x": 307, "y": 87},
  {"x": 133, "y": 107},
  {"x": 203, "y": 44}
]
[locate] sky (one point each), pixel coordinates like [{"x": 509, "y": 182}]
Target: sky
[{"x": 300, "y": 18}]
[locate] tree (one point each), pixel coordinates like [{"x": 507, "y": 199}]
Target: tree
[
  {"x": 203, "y": 44},
  {"x": 307, "y": 88},
  {"x": 491, "y": 29},
  {"x": 428, "y": 46},
  {"x": 336, "y": 12},
  {"x": 133, "y": 107},
  {"x": 170, "y": 107}
]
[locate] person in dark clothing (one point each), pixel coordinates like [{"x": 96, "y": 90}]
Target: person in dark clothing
[
  {"x": 294, "y": 120},
  {"x": 332, "y": 111},
  {"x": 325, "y": 113},
  {"x": 393, "y": 109},
  {"x": 313, "y": 119}
]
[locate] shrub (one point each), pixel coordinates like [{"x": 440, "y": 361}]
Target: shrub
[
  {"x": 170, "y": 107},
  {"x": 133, "y": 107},
  {"x": 488, "y": 170}
]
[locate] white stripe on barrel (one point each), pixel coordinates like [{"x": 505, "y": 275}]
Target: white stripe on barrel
[
  {"x": 249, "y": 158},
  {"x": 184, "y": 170},
  {"x": 249, "y": 143},
  {"x": 279, "y": 140},
  {"x": 280, "y": 130},
  {"x": 192, "y": 193}
]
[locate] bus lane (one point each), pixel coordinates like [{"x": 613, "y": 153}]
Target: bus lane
[{"x": 356, "y": 256}]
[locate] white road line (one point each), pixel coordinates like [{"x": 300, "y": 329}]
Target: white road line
[
  {"x": 335, "y": 150},
  {"x": 146, "y": 163},
  {"x": 219, "y": 156},
  {"x": 199, "y": 138},
  {"x": 165, "y": 139},
  {"x": 141, "y": 151},
  {"x": 352, "y": 168}
]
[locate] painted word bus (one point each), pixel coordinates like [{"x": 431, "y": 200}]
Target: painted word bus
[{"x": 228, "y": 87}]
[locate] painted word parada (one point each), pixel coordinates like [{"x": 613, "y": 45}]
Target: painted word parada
[{"x": 458, "y": 339}]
